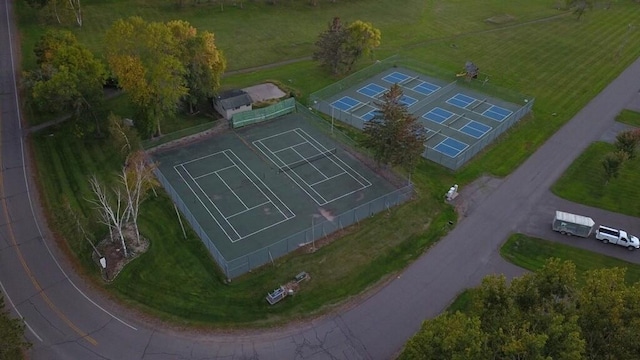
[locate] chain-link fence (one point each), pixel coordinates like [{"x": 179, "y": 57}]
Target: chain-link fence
[
  {"x": 322, "y": 100},
  {"x": 318, "y": 229},
  {"x": 456, "y": 162}
]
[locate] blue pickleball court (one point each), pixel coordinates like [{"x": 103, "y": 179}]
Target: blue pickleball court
[
  {"x": 438, "y": 115},
  {"x": 425, "y": 88},
  {"x": 345, "y": 103},
  {"x": 407, "y": 100},
  {"x": 370, "y": 115},
  {"x": 461, "y": 100},
  {"x": 450, "y": 147},
  {"x": 497, "y": 113},
  {"x": 372, "y": 90},
  {"x": 396, "y": 77},
  {"x": 475, "y": 129}
]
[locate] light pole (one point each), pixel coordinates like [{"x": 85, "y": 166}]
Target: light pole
[{"x": 332, "y": 108}]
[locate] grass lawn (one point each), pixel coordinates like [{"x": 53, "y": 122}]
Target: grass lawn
[
  {"x": 584, "y": 182},
  {"x": 629, "y": 117},
  {"x": 177, "y": 280},
  {"x": 531, "y": 254},
  {"x": 562, "y": 62}
]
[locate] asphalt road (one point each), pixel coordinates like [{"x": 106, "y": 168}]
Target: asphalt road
[{"x": 66, "y": 319}]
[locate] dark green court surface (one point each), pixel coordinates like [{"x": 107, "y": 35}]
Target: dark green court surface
[{"x": 259, "y": 192}]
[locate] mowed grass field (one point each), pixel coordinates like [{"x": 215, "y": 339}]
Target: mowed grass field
[
  {"x": 546, "y": 54},
  {"x": 585, "y": 182},
  {"x": 260, "y": 33}
]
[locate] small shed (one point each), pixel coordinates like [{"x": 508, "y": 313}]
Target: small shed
[{"x": 232, "y": 102}]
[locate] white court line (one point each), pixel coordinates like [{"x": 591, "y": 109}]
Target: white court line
[
  {"x": 213, "y": 172},
  {"x": 233, "y": 191},
  {"x": 272, "y": 136},
  {"x": 200, "y": 158},
  {"x": 327, "y": 179},
  {"x": 264, "y": 228},
  {"x": 270, "y": 157},
  {"x": 363, "y": 186},
  {"x": 6, "y": 295},
  {"x": 310, "y": 163},
  {"x": 248, "y": 209},
  {"x": 332, "y": 159},
  {"x": 289, "y": 147},
  {"x": 257, "y": 187},
  {"x": 286, "y": 217},
  {"x": 212, "y": 202},
  {"x": 200, "y": 200}
]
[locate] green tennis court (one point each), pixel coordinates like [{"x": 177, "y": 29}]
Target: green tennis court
[{"x": 259, "y": 192}]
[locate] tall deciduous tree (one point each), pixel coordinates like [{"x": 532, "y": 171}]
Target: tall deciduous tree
[
  {"x": 12, "y": 342},
  {"x": 340, "y": 46},
  {"x": 542, "y": 315},
  {"x": 610, "y": 315},
  {"x": 159, "y": 65},
  {"x": 395, "y": 136},
  {"x": 143, "y": 57},
  {"x": 203, "y": 61},
  {"x": 69, "y": 78},
  {"x": 362, "y": 39}
]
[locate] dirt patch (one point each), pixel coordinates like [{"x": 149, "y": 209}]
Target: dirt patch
[
  {"x": 264, "y": 92},
  {"x": 111, "y": 249}
]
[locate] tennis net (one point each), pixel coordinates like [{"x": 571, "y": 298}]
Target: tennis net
[{"x": 308, "y": 160}]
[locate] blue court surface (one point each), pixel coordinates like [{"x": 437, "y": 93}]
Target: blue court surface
[
  {"x": 425, "y": 88},
  {"x": 370, "y": 115},
  {"x": 345, "y": 103},
  {"x": 396, "y": 77},
  {"x": 475, "y": 129},
  {"x": 496, "y": 113},
  {"x": 438, "y": 115},
  {"x": 461, "y": 100},
  {"x": 450, "y": 147},
  {"x": 372, "y": 90},
  {"x": 407, "y": 100}
]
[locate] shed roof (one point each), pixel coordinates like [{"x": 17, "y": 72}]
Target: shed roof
[{"x": 233, "y": 99}]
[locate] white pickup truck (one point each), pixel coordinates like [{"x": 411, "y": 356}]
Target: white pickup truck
[{"x": 617, "y": 237}]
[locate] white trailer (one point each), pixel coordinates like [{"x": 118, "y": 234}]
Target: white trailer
[{"x": 572, "y": 224}]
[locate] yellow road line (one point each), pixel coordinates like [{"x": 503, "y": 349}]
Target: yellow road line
[{"x": 35, "y": 282}]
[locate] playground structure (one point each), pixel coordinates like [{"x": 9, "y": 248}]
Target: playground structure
[{"x": 471, "y": 71}]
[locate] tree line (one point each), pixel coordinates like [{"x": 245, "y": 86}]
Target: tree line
[{"x": 548, "y": 314}]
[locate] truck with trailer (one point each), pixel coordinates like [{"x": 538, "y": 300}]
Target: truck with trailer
[
  {"x": 572, "y": 224},
  {"x": 609, "y": 235}
]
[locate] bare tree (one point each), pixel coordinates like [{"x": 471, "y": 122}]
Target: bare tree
[
  {"x": 137, "y": 178},
  {"x": 74, "y": 5},
  {"x": 113, "y": 209}
]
